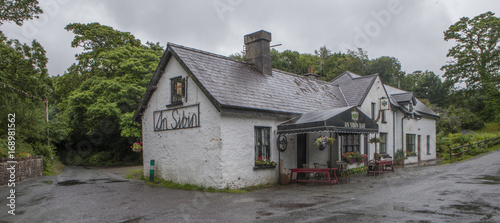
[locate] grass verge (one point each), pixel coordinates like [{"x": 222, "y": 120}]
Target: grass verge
[
  {"x": 169, "y": 184},
  {"x": 446, "y": 157}
]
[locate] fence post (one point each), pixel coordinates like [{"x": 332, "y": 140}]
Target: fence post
[{"x": 451, "y": 156}]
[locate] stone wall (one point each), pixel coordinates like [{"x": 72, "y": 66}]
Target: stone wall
[{"x": 25, "y": 168}]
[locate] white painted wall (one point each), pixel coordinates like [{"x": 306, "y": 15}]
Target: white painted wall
[
  {"x": 185, "y": 155},
  {"x": 423, "y": 127},
  {"x": 374, "y": 95},
  {"x": 238, "y": 150}
]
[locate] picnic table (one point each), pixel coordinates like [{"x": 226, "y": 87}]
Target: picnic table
[
  {"x": 380, "y": 166},
  {"x": 327, "y": 171}
]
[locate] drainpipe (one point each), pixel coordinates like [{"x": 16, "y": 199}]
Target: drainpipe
[
  {"x": 394, "y": 133},
  {"x": 402, "y": 132}
]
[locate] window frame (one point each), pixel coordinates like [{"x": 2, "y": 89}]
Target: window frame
[
  {"x": 383, "y": 144},
  {"x": 411, "y": 143},
  {"x": 262, "y": 141},
  {"x": 350, "y": 144},
  {"x": 178, "y": 99},
  {"x": 374, "y": 109},
  {"x": 429, "y": 145}
]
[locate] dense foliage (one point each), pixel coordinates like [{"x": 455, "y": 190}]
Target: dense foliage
[
  {"x": 19, "y": 11},
  {"x": 99, "y": 95},
  {"x": 476, "y": 62},
  {"x": 24, "y": 87}
]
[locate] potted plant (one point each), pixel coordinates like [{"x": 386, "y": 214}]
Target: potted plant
[
  {"x": 322, "y": 141},
  {"x": 400, "y": 157}
]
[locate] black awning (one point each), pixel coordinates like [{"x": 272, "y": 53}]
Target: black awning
[{"x": 340, "y": 120}]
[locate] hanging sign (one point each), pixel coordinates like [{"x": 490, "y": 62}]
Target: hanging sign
[
  {"x": 384, "y": 104},
  {"x": 178, "y": 118}
]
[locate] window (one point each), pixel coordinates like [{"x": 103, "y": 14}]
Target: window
[
  {"x": 178, "y": 90},
  {"x": 350, "y": 143},
  {"x": 428, "y": 145},
  {"x": 383, "y": 144},
  {"x": 262, "y": 142},
  {"x": 384, "y": 120},
  {"x": 410, "y": 145},
  {"x": 374, "y": 108}
]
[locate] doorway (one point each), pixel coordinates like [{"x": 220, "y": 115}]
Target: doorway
[{"x": 301, "y": 150}]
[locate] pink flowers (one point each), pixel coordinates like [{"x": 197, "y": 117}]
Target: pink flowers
[{"x": 136, "y": 147}]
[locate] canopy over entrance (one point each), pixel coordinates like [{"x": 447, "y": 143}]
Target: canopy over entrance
[{"x": 340, "y": 120}]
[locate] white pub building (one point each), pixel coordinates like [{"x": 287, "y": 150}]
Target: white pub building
[{"x": 213, "y": 121}]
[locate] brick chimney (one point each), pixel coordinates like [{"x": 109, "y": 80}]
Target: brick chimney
[
  {"x": 258, "y": 51},
  {"x": 312, "y": 75}
]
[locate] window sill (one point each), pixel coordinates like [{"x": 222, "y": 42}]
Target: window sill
[
  {"x": 263, "y": 167},
  {"x": 384, "y": 122},
  {"x": 174, "y": 104}
]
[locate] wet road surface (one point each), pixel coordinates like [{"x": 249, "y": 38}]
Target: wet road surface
[{"x": 461, "y": 192}]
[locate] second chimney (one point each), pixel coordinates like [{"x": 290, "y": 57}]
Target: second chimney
[{"x": 258, "y": 51}]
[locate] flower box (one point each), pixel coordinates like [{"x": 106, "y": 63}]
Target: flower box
[{"x": 355, "y": 165}]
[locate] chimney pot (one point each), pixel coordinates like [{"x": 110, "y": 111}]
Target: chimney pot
[{"x": 258, "y": 50}]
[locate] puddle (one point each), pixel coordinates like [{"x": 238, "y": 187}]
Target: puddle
[
  {"x": 291, "y": 206},
  {"x": 477, "y": 208},
  {"x": 488, "y": 179},
  {"x": 132, "y": 220},
  {"x": 435, "y": 212},
  {"x": 48, "y": 182},
  {"x": 100, "y": 179},
  {"x": 116, "y": 181},
  {"x": 264, "y": 213},
  {"x": 70, "y": 183}
]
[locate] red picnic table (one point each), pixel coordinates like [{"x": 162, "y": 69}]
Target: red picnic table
[
  {"x": 315, "y": 170},
  {"x": 380, "y": 166}
]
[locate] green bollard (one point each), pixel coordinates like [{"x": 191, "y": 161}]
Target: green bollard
[{"x": 152, "y": 171}]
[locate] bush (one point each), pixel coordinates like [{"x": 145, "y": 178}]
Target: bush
[{"x": 104, "y": 158}]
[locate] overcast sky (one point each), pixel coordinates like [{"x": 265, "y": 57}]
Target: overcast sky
[{"x": 411, "y": 31}]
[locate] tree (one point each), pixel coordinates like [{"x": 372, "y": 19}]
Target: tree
[
  {"x": 427, "y": 85},
  {"x": 24, "y": 86},
  {"x": 389, "y": 69},
  {"x": 476, "y": 59},
  {"x": 100, "y": 93},
  {"x": 18, "y": 10}
]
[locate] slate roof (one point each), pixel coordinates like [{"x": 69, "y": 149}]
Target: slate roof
[
  {"x": 233, "y": 84},
  {"x": 236, "y": 85},
  {"x": 397, "y": 96},
  {"x": 403, "y": 98},
  {"x": 354, "y": 87}
]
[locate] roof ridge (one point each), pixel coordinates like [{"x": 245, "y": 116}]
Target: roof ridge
[
  {"x": 366, "y": 76},
  {"x": 304, "y": 77},
  {"x": 205, "y": 52}
]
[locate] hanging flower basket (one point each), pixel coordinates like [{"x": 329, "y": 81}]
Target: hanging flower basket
[
  {"x": 375, "y": 140},
  {"x": 323, "y": 141},
  {"x": 137, "y": 147}
]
